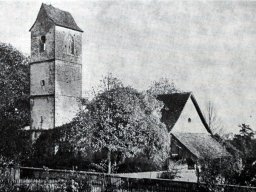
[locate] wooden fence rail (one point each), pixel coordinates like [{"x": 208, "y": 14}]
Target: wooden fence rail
[{"x": 56, "y": 181}]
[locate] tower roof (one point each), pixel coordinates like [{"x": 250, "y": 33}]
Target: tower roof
[{"x": 59, "y": 17}]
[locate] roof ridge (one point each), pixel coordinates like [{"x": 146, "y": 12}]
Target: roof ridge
[
  {"x": 50, "y": 5},
  {"x": 177, "y": 93},
  {"x": 200, "y": 113},
  {"x": 59, "y": 17},
  {"x": 176, "y": 132},
  {"x": 43, "y": 4}
]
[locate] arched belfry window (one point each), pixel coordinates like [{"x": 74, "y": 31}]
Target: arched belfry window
[
  {"x": 71, "y": 45},
  {"x": 42, "y": 43}
]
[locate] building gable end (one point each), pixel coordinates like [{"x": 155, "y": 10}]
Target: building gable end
[{"x": 191, "y": 118}]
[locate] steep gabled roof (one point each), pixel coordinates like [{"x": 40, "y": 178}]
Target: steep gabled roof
[
  {"x": 202, "y": 145},
  {"x": 174, "y": 105},
  {"x": 59, "y": 17}
]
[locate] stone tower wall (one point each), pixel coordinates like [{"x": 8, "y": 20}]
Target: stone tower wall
[
  {"x": 42, "y": 27},
  {"x": 42, "y": 78},
  {"x": 56, "y": 74},
  {"x": 42, "y": 86},
  {"x": 62, "y": 36},
  {"x": 68, "y": 75},
  {"x": 42, "y": 113}
]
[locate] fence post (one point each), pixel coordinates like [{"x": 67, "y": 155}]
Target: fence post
[{"x": 16, "y": 173}]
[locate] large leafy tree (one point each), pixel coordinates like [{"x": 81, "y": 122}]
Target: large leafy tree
[
  {"x": 245, "y": 143},
  {"x": 162, "y": 86},
  {"x": 121, "y": 119},
  {"x": 14, "y": 100}
]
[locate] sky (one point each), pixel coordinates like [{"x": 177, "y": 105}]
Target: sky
[{"x": 205, "y": 47}]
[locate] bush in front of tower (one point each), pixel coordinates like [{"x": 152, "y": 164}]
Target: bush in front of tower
[{"x": 53, "y": 149}]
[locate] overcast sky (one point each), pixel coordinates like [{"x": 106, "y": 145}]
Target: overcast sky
[{"x": 208, "y": 48}]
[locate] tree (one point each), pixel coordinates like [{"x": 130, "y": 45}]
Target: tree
[
  {"x": 245, "y": 132},
  {"x": 162, "y": 86},
  {"x": 212, "y": 118},
  {"x": 216, "y": 173},
  {"x": 233, "y": 169},
  {"x": 14, "y": 100},
  {"x": 121, "y": 119},
  {"x": 245, "y": 143}
]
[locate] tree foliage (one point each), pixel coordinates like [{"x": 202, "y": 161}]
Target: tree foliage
[
  {"x": 54, "y": 149},
  {"x": 118, "y": 126},
  {"x": 220, "y": 171},
  {"x": 14, "y": 100},
  {"x": 14, "y": 83},
  {"x": 121, "y": 119},
  {"x": 240, "y": 169},
  {"x": 246, "y": 144},
  {"x": 162, "y": 86}
]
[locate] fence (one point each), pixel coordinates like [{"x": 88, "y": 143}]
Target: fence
[
  {"x": 107, "y": 184},
  {"x": 34, "y": 185},
  {"x": 56, "y": 180},
  {"x": 116, "y": 184}
]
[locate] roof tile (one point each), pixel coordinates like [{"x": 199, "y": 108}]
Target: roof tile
[
  {"x": 61, "y": 18},
  {"x": 202, "y": 145}
]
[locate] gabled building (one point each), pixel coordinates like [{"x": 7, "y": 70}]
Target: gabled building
[{"x": 191, "y": 138}]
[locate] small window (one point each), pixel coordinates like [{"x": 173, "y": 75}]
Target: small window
[
  {"x": 41, "y": 122},
  {"x": 189, "y": 120},
  {"x": 42, "y": 82},
  {"x": 42, "y": 43},
  {"x": 71, "y": 45},
  {"x": 190, "y": 163}
]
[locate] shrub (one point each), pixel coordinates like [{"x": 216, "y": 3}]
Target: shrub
[
  {"x": 168, "y": 175},
  {"x": 6, "y": 182},
  {"x": 137, "y": 164}
]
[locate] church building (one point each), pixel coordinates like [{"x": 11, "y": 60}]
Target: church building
[
  {"x": 56, "y": 86},
  {"x": 55, "y": 69}
]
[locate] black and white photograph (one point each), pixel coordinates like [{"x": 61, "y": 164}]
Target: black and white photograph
[{"x": 127, "y": 96}]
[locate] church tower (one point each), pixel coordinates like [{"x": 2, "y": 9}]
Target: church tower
[{"x": 55, "y": 68}]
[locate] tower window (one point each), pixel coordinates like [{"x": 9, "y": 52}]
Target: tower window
[
  {"x": 42, "y": 43},
  {"x": 42, "y": 83},
  {"x": 189, "y": 120},
  {"x": 71, "y": 45},
  {"x": 41, "y": 121}
]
